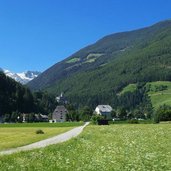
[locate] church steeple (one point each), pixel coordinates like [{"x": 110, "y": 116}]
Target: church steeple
[{"x": 61, "y": 99}]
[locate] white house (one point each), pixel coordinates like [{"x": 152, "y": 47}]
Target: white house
[{"x": 104, "y": 110}]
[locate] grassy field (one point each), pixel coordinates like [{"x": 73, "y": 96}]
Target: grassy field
[
  {"x": 42, "y": 124},
  {"x": 159, "y": 98},
  {"x": 15, "y": 135},
  {"x": 73, "y": 60},
  {"x": 104, "y": 148},
  {"x": 129, "y": 88}
]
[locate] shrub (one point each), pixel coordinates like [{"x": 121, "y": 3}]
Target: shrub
[
  {"x": 95, "y": 118},
  {"x": 39, "y": 131},
  {"x": 163, "y": 113}
]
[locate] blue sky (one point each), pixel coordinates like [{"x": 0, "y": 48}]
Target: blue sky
[{"x": 35, "y": 34}]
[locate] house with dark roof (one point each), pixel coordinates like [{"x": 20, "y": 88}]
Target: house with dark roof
[
  {"x": 59, "y": 114},
  {"x": 104, "y": 110}
]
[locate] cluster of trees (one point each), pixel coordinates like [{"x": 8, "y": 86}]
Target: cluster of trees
[
  {"x": 16, "y": 98},
  {"x": 84, "y": 114},
  {"x": 163, "y": 113},
  {"x": 156, "y": 88}
]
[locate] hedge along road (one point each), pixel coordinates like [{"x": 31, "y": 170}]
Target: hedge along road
[{"x": 54, "y": 140}]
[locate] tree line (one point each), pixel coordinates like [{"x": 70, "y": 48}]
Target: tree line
[{"x": 16, "y": 98}]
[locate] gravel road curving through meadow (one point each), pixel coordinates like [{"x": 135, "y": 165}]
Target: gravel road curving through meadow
[{"x": 43, "y": 143}]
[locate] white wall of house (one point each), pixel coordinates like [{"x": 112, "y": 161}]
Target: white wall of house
[
  {"x": 104, "y": 110},
  {"x": 97, "y": 110}
]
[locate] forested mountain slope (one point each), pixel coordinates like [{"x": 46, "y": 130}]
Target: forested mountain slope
[
  {"x": 95, "y": 74},
  {"x": 16, "y": 98}
]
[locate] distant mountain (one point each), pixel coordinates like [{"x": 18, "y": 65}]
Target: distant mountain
[
  {"x": 23, "y": 77},
  {"x": 96, "y": 73}
]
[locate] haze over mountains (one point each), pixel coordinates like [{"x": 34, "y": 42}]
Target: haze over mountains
[
  {"x": 101, "y": 70},
  {"x": 23, "y": 77}
]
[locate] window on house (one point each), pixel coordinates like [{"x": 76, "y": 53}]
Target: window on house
[{"x": 61, "y": 116}]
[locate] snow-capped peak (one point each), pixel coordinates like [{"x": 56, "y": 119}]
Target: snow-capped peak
[{"x": 23, "y": 77}]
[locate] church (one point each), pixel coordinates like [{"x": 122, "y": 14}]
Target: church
[{"x": 59, "y": 114}]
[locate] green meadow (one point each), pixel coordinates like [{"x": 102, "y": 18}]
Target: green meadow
[
  {"x": 16, "y": 135},
  {"x": 128, "y": 88},
  {"x": 139, "y": 147},
  {"x": 42, "y": 124},
  {"x": 158, "y": 97},
  {"x": 162, "y": 97}
]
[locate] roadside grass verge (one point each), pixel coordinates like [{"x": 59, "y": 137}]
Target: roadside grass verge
[{"x": 140, "y": 147}]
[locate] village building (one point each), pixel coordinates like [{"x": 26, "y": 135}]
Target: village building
[
  {"x": 61, "y": 99},
  {"x": 41, "y": 118},
  {"x": 59, "y": 114},
  {"x": 104, "y": 110},
  {"x": 34, "y": 118}
]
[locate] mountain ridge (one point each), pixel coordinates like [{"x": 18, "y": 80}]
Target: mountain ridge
[
  {"x": 23, "y": 77},
  {"x": 114, "y": 61}
]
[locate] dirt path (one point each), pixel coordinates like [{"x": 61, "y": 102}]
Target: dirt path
[{"x": 54, "y": 140}]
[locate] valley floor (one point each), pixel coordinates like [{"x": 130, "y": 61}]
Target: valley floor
[
  {"x": 49, "y": 141},
  {"x": 20, "y": 134},
  {"x": 143, "y": 147}
]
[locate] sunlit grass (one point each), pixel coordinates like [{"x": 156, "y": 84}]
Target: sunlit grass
[
  {"x": 42, "y": 124},
  {"x": 16, "y": 137},
  {"x": 129, "y": 88},
  {"x": 19, "y": 134},
  {"x": 158, "y": 98},
  {"x": 161, "y": 97},
  {"x": 73, "y": 60},
  {"x": 104, "y": 148}
]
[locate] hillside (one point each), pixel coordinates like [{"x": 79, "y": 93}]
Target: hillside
[
  {"x": 159, "y": 92},
  {"x": 16, "y": 98},
  {"x": 95, "y": 74}
]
